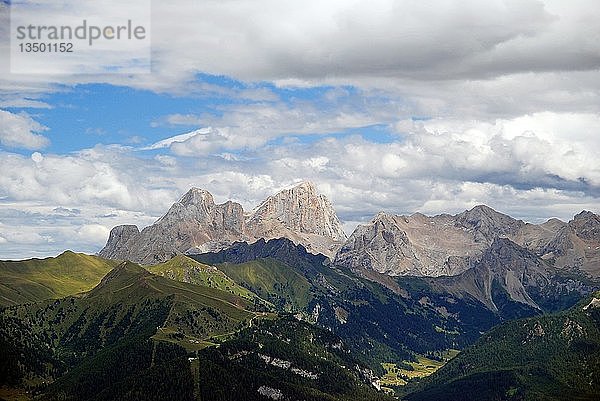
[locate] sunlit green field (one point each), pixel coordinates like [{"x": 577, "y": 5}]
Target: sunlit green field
[{"x": 423, "y": 367}]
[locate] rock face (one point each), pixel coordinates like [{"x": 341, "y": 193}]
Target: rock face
[
  {"x": 195, "y": 224},
  {"x": 485, "y": 224},
  {"x": 576, "y": 244},
  {"x": 119, "y": 238},
  {"x": 513, "y": 281},
  {"x": 505, "y": 272},
  {"x": 420, "y": 245},
  {"x": 302, "y": 215},
  {"x": 446, "y": 245}
]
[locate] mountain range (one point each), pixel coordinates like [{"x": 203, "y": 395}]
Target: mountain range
[
  {"x": 195, "y": 224},
  {"x": 479, "y": 253},
  {"x": 211, "y": 302},
  {"x": 416, "y": 245},
  {"x": 446, "y": 245}
]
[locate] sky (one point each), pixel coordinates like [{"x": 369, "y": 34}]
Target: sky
[{"x": 401, "y": 106}]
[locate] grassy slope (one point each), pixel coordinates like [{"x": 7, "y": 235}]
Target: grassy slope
[
  {"x": 39, "y": 279},
  {"x": 129, "y": 304},
  {"x": 130, "y": 282},
  {"x": 99, "y": 344},
  {"x": 554, "y": 357},
  {"x": 195, "y": 310},
  {"x": 273, "y": 281},
  {"x": 184, "y": 269}
]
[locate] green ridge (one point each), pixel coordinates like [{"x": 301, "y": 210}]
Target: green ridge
[
  {"x": 552, "y": 357},
  {"x": 130, "y": 308},
  {"x": 35, "y": 280},
  {"x": 273, "y": 281},
  {"x": 184, "y": 269}
]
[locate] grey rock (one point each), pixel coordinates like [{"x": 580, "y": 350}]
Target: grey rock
[
  {"x": 509, "y": 277},
  {"x": 299, "y": 214},
  {"x": 118, "y": 240},
  {"x": 576, "y": 245},
  {"x": 194, "y": 220},
  {"x": 446, "y": 245},
  {"x": 195, "y": 224},
  {"x": 420, "y": 245}
]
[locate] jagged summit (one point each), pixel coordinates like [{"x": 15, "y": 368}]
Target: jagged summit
[
  {"x": 585, "y": 214},
  {"x": 448, "y": 245},
  {"x": 299, "y": 209},
  {"x": 197, "y": 196},
  {"x": 196, "y": 224},
  {"x": 302, "y": 185},
  {"x": 586, "y": 225},
  {"x": 488, "y": 223}
]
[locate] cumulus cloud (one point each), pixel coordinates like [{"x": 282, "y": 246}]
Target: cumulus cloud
[
  {"x": 250, "y": 126},
  {"x": 506, "y": 57},
  {"x": 92, "y": 234},
  {"x": 542, "y": 149},
  {"x": 441, "y": 40},
  {"x": 52, "y": 202},
  {"x": 21, "y": 131}
]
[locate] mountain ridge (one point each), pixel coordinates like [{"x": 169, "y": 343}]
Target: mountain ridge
[
  {"x": 394, "y": 245},
  {"x": 195, "y": 224},
  {"x": 551, "y": 357},
  {"x": 447, "y": 245}
]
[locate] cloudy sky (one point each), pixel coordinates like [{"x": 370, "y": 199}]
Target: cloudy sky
[{"x": 403, "y": 106}]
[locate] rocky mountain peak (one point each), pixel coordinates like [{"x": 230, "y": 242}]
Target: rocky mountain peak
[
  {"x": 586, "y": 225},
  {"x": 585, "y": 214},
  {"x": 196, "y": 224},
  {"x": 197, "y": 197},
  {"x": 381, "y": 216},
  {"x": 304, "y": 186},
  {"x": 488, "y": 223},
  {"x": 483, "y": 213},
  {"x": 437, "y": 245},
  {"x": 300, "y": 209}
]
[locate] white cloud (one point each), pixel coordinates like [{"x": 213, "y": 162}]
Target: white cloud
[
  {"x": 503, "y": 58},
  {"x": 527, "y": 150},
  {"x": 313, "y": 39},
  {"x": 250, "y": 126},
  {"x": 16, "y": 101},
  {"x": 167, "y": 142},
  {"x": 511, "y": 89},
  {"x": 93, "y": 234},
  {"x": 50, "y": 202},
  {"x": 21, "y": 131}
]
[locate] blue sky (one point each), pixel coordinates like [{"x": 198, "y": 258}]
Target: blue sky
[
  {"x": 391, "y": 105},
  {"x": 85, "y": 115}
]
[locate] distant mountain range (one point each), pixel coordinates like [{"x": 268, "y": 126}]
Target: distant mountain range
[
  {"x": 448, "y": 245},
  {"x": 480, "y": 253},
  {"x": 196, "y": 224},
  {"x": 416, "y": 245},
  {"x": 211, "y": 302}
]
